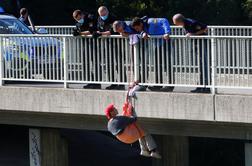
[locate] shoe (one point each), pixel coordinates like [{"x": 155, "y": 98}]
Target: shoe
[
  {"x": 155, "y": 155},
  {"x": 201, "y": 90},
  {"x": 139, "y": 88},
  {"x": 120, "y": 87},
  {"x": 111, "y": 87},
  {"x": 167, "y": 89},
  {"x": 206, "y": 90},
  {"x": 145, "y": 153},
  {"x": 142, "y": 88},
  {"x": 154, "y": 88},
  {"x": 92, "y": 86}
]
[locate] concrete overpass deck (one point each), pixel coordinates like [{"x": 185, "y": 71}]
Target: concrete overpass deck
[{"x": 185, "y": 114}]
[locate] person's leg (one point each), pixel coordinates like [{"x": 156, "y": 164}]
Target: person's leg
[
  {"x": 167, "y": 62},
  {"x": 95, "y": 65},
  {"x": 157, "y": 65},
  {"x": 203, "y": 66},
  {"x": 144, "y": 149},
  {"x": 118, "y": 56},
  {"x": 152, "y": 146},
  {"x": 207, "y": 59},
  {"x": 150, "y": 143},
  {"x": 88, "y": 64},
  {"x": 110, "y": 70}
]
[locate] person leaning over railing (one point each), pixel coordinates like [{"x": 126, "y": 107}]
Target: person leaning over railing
[
  {"x": 157, "y": 26},
  {"x": 105, "y": 27},
  {"x": 123, "y": 28},
  {"x": 86, "y": 25},
  {"x": 195, "y": 28},
  {"x": 26, "y": 19}
]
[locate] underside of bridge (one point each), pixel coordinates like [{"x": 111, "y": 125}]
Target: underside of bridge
[
  {"x": 68, "y": 128},
  {"x": 71, "y": 147}
]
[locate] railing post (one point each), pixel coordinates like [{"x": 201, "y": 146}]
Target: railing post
[
  {"x": 65, "y": 62},
  {"x": 213, "y": 57},
  {"x": 136, "y": 61},
  {"x": 1, "y": 62}
]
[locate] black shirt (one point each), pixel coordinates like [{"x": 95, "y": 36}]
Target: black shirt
[
  {"x": 193, "y": 26},
  {"x": 88, "y": 25},
  {"x": 106, "y": 25},
  {"x": 119, "y": 123}
]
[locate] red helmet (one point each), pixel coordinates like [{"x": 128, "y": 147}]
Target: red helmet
[{"x": 107, "y": 111}]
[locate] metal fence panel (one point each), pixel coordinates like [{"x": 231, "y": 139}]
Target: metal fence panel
[
  {"x": 175, "y": 30},
  {"x": 32, "y": 58},
  {"x": 199, "y": 61}
]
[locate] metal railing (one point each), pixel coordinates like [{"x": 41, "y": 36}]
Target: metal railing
[
  {"x": 57, "y": 30},
  {"x": 198, "y": 61},
  {"x": 175, "y": 30}
]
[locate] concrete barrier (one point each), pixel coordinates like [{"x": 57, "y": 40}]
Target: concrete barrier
[
  {"x": 233, "y": 108},
  {"x": 183, "y": 106}
]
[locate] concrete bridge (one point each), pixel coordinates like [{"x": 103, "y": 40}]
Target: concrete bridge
[{"x": 172, "y": 116}]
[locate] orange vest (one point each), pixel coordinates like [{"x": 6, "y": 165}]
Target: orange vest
[{"x": 132, "y": 132}]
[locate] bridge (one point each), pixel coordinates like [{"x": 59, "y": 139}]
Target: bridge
[{"x": 42, "y": 77}]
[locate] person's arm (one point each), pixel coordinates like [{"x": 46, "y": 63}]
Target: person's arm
[
  {"x": 84, "y": 33},
  {"x": 144, "y": 35},
  {"x": 31, "y": 23},
  {"x": 125, "y": 34},
  {"x": 167, "y": 28},
  {"x": 202, "y": 29},
  {"x": 106, "y": 33}
]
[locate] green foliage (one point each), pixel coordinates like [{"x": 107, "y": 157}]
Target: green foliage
[
  {"x": 222, "y": 12},
  {"x": 247, "y": 6},
  {"x": 209, "y": 11},
  {"x": 9, "y": 6}
]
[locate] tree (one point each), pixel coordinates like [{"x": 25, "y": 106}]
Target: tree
[{"x": 212, "y": 12}]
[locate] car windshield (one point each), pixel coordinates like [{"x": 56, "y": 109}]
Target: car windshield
[{"x": 13, "y": 26}]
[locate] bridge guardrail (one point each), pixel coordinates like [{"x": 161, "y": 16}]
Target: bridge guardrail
[
  {"x": 198, "y": 61},
  {"x": 213, "y": 30}
]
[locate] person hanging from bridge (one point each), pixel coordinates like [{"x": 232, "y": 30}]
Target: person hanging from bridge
[{"x": 126, "y": 128}]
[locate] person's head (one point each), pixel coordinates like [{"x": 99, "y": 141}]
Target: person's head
[
  {"x": 103, "y": 12},
  {"x": 2, "y": 10},
  {"x": 111, "y": 111},
  {"x": 118, "y": 26},
  {"x": 78, "y": 16},
  {"x": 137, "y": 24},
  {"x": 178, "y": 19},
  {"x": 24, "y": 12}
]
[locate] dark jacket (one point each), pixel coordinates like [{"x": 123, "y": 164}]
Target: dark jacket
[
  {"x": 119, "y": 123},
  {"x": 88, "y": 25},
  {"x": 106, "y": 25},
  {"x": 193, "y": 26}
]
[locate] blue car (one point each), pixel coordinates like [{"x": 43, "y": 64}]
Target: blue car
[{"x": 28, "y": 56}]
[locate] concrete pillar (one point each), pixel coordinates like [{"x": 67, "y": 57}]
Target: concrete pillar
[
  {"x": 54, "y": 148},
  {"x": 174, "y": 150},
  {"x": 248, "y": 154}
]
